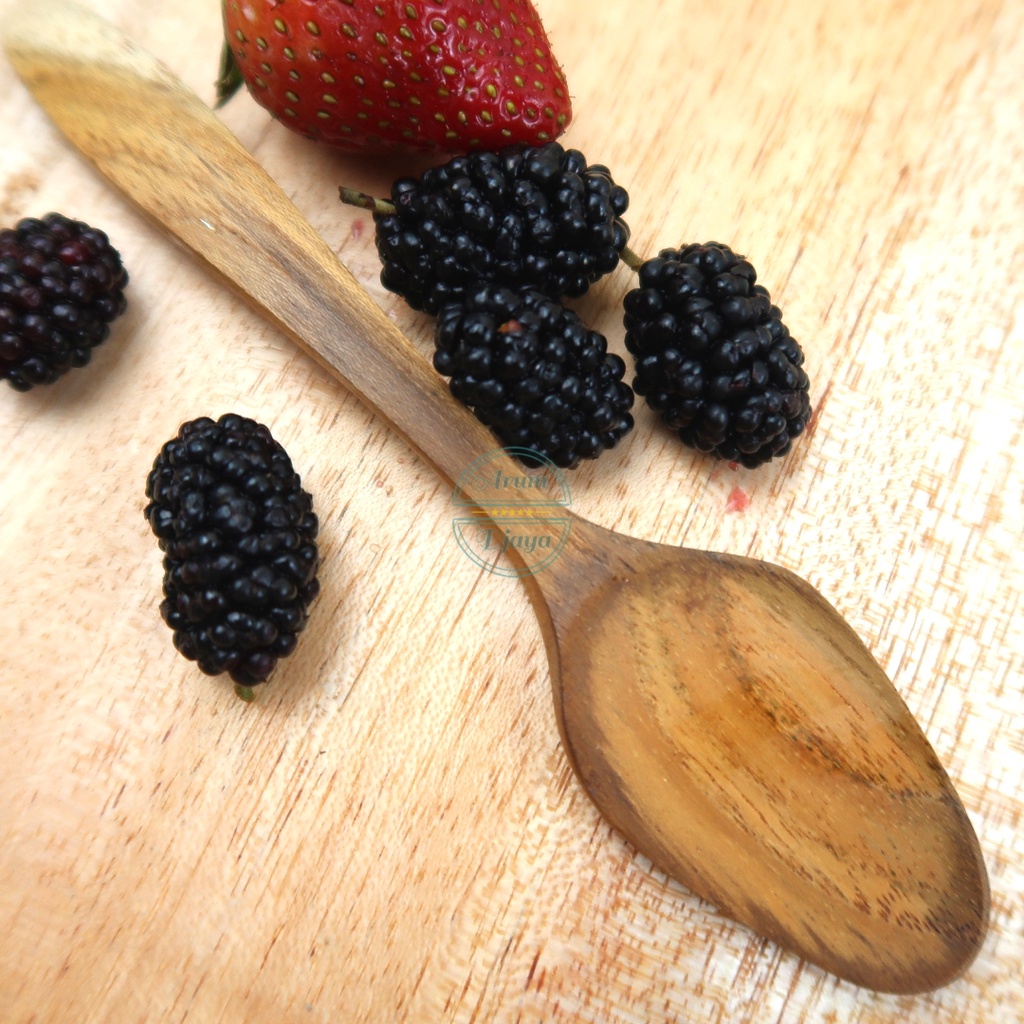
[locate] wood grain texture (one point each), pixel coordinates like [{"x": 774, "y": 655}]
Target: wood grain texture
[
  {"x": 717, "y": 710},
  {"x": 736, "y": 733},
  {"x": 170, "y": 854}
]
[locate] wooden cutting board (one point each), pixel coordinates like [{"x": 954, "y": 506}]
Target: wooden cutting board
[{"x": 392, "y": 832}]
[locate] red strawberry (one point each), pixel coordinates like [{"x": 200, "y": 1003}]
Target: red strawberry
[{"x": 448, "y": 75}]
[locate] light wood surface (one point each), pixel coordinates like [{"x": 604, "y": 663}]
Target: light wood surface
[
  {"x": 393, "y": 833},
  {"x": 717, "y": 710}
]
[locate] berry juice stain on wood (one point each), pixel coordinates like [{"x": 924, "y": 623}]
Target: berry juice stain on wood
[
  {"x": 15, "y": 192},
  {"x": 738, "y": 500}
]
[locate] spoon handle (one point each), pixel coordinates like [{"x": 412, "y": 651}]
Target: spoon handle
[{"x": 162, "y": 146}]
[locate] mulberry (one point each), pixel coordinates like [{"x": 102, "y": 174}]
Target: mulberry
[
  {"x": 238, "y": 534},
  {"x": 61, "y": 285},
  {"x": 534, "y": 373},
  {"x": 525, "y": 217},
  {"x": 713, "y": 356}
]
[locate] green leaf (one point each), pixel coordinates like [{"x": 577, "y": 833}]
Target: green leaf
[{"x": 229, "y": 78}]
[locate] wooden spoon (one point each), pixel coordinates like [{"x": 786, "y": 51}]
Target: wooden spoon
[{"x": 719, "y": 712}]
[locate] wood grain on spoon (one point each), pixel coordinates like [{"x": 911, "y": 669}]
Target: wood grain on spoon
[
  {"x": 718, "y": 711},
  {"x": 724, "y": 717}
]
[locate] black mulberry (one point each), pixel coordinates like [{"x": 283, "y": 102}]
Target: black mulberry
[
  {"x": 713, "y": 356},
  {"x": 61, "y": 285},
  {"x": 238, "y": 534},
  {"x": 536, "y": 217},
  {"x": 534, "y": 373}
]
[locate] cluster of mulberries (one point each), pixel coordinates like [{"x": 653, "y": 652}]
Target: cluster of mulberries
[
  {"x": 61, "y": 285},
  {"x": 491, "y": 243},
  {"x": 238, "y": 534},
  {"x": 237, "y": 530},
  {"x": 482, "y": 240}
]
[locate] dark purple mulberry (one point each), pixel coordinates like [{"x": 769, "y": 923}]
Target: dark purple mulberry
[
  {"x": 713, "y": 356},
  {"x": 525, "y": 217},
  {"x": 534, "y": 373},
  {"x": 61, "y": 286},
  {"x": 238, "y": 534}
]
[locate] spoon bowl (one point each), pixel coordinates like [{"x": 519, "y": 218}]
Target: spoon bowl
[
  {"x": 723, "y": 716},
  {"x": 718, "y": 711}
]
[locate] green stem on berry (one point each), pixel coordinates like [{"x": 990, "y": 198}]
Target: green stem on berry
[
  {"x": 245, "y": 693},
  {"x": 364, "y": 201},
  {"x": 631, "y": 259}
]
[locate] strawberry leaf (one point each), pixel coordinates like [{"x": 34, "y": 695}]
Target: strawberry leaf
[{"x": 229, "y": 77}]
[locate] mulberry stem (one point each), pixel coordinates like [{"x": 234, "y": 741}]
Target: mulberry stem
[
  {"x": 364, "y": 201},
  {"x": 631, "y": 259}
]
